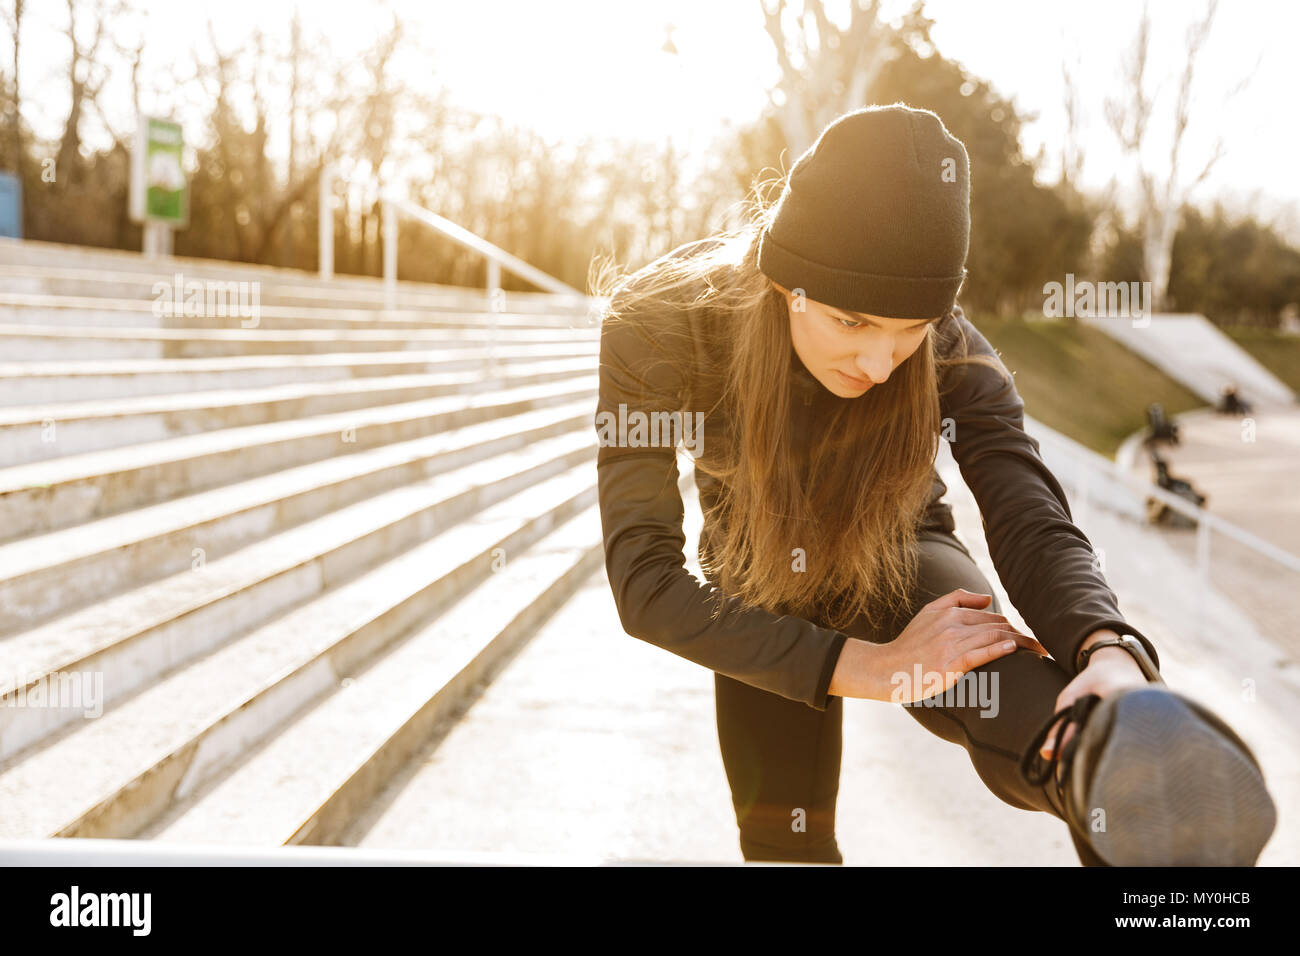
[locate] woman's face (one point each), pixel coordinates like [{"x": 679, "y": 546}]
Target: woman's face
[{"x": 849, "y": 352}]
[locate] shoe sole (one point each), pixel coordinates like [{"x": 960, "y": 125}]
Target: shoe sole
[{"x": 1176, "y": 790}]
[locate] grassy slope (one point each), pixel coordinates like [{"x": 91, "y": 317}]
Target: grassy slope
[
  {"x": 1077, "y": 380},
  {"x": 1280, "y": 354}
]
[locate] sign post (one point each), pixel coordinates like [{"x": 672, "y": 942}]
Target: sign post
[{"x": 159, "y": 193}]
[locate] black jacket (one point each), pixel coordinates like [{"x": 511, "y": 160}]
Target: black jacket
[{"x": 1045, "y": 563}]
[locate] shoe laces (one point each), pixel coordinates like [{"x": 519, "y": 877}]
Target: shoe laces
[{"x": 1038, "y": 770}]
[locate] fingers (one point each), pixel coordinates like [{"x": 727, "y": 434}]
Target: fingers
[
  {"x": 960, "y": 598},
  {"x": 1046, "y": 750},
  {"x": 969, "y": 615},
  {"x": 991, "y": 650},
  {"x": 973, "y": 617},
  {"x": 969, "y": 603},
  {"x": 1032, "y": 644},
  {"x": 985, "y": 633}
]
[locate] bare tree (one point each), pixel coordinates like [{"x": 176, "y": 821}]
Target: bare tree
[
  {"x": 1161, "y": 193},
  {"x": 14, "y": 20},
  {"x": 826, "y": 70},
  {"x": 376, "y": 125},
  {"x": 134, "y": 56},
  {"x": 1071, "y": 147},
  {"x": 86, "y": 77}
]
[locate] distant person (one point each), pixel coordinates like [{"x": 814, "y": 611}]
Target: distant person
[
  {"x": 1160, "y": 428},
  {"x": 1230, "y": 403},
  {"x": 823, "y": 346},
  {"x": 1160, "y": 513}
]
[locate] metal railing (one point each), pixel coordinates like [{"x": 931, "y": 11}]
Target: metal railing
[
  {"x": 1091, "y": 467},
  {"x": 1208, "y": 522},
  {"x": 392, "y": 209}
]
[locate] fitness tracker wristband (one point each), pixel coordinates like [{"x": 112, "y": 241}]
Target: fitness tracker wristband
[{"x": 1130, "y": 644}]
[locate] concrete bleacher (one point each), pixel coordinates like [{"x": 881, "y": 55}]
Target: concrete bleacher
[
  {"x": 1193, "y": 351},
  {"x": 341, "y": 577},
  {"x": 317, "y": 531},
  {"x": 595, "y": 744}
]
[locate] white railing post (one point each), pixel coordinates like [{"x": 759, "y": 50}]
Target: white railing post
[
  {"x": 1095, "y": 479},
  {"x": 1203, "y": 568},
  {"x": 1081, "y": 487},
  {"x": 389, "y": 212},
  {"x": 496, "y": 259},
  {"x": 493, "y": 279},
  {"x": 1203, "y": 547},
  {"x": 325, "y": 228},
  {"x": 157, "y": 240}
]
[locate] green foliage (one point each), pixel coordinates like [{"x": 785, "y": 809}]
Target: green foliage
[
  {"x": 1235, "y": 272},
  {"x": 1121, "y": 256},
  {"x": 1023, "y": 234},
  {"x": 558, "y": 206},
  {"x": 1278, "y": 352}
]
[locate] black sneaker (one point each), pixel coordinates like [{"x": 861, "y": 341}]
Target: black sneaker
[{"x": 1170, "y": 783}]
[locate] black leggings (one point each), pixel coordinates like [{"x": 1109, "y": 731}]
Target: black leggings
[{"x": 782, "y": 757}]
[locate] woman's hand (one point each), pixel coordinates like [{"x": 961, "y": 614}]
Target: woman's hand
[
  {"x": 946, "y": 638},
  {"x": 1108, "y": 670}
]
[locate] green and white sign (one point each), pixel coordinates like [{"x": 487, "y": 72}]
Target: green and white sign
[{"x": 159, "y": 192}]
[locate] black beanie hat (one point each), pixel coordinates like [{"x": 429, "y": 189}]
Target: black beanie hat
[{"x": 875, "y": 216}]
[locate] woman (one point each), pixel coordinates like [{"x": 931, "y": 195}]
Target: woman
[{"x": 820, "y": 353}]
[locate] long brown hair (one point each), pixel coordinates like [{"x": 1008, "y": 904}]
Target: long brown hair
[{"x": 832, "y": 532}]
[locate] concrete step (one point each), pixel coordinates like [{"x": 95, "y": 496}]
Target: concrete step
[
  {"x": 216, "y": 527},
  {"x": 34, "y": 383},
  {"x": 55, "y": 310},
  {"x": 42, "y": 432},
  {"x": 26, "y": 343},
  {"x": 47, "y": 495},
  {"x": 307, "y": 784},
  {"x": 130, "y": 640},
  {"x": 125, "y": 769},
  {"x": 312, "y": 779},
  {"x": 65, "y": 570},
  {"x": 36, "y": 268}
]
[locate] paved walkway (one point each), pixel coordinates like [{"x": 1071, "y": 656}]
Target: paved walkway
[
  {"x": 592, "y": 742},
  {"x": 1252, "y": 479}
]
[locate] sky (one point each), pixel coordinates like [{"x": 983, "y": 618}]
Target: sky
[{"x": 575, "y": 68}]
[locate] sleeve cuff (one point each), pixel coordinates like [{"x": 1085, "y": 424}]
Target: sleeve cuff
[
  {"x": 821, "y": 696},
  {"x": 1119, "y": 627}
]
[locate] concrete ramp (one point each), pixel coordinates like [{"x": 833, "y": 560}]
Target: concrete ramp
[{"x": 1193, "y": 351}]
